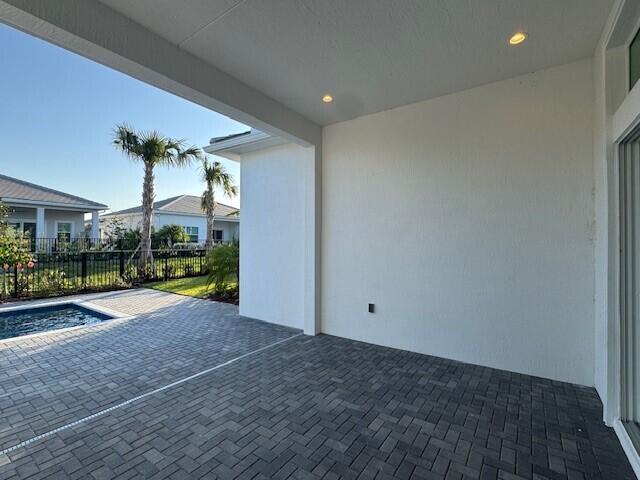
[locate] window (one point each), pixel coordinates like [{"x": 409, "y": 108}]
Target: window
[
  {"x": 63, "y": 231},
  {"x": 192, "y": 232},
  {"x": 634, "y": 60},
  {"x": 217, "y": 236}
]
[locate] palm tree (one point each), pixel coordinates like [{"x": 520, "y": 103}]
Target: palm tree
[
  {"x": 214, "y": 174},
  {"x": 152, "y": 149}
]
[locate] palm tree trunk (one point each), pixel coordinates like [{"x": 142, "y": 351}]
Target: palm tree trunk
[
  {"x": 210, "y": 217},
  {"x": 147, "y": 212}
]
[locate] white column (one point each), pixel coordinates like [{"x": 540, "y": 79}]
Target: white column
[
  {"x": 312, "y": 236},
  {"x": 95, "y": 225},
  {"x": 41, "y": 231}
]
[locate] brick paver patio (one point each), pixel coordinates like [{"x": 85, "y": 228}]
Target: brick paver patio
[{"x": 306, "y": 407}]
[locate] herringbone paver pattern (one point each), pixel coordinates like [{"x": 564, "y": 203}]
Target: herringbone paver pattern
[
  {"x": 325, "y": 407},
  {"x": 48, "y": 381}
]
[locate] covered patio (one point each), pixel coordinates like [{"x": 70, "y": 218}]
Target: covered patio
[
  {"x": 187, "y": 388},
  {"x": 440, "y": 242}
]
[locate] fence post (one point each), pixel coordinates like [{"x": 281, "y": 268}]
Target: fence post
[
  {"x": 121, "y": 263},
  {"x": 166, "y": 268},
  {"x": 15, "y": 282},
  {"x": 83, "y": 257}
]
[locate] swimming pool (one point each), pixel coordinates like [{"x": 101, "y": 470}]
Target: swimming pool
[{"x": 17, "y": 323}]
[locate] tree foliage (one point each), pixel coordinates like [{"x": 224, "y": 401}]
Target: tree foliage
[
  {"x": 14, "y": 247},
  {"x": 170, "y": 234},
  {"x": 223, "y": 263},
  {"x": 214, "y": 175},
  {"x": 115, "y": 229},
  {"x": 151, "y": 149}
]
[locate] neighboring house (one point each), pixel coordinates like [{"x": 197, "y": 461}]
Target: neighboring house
[
  {"x": 47, "y": 213},
  {"x": 184, "y": 210}
]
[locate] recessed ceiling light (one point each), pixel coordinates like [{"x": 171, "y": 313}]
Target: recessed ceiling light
[
  {"x": 327, "y": 98},
  {"x": 517, "y": 38}
]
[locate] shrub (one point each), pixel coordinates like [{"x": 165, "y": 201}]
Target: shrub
[
  {"x": 56, "y": 281},
  {"x": 169, "y": 235},
  {"x": 14, "y": 250},
  {"x": 14, "y": 247},
  {"x": 115, "y": 229},
  {"x": 168, "y": 271},
  {"x": 130, "y": 239},
  {"x": 223, "y": 264},
  {"x": 130, "y": 275},
  {"x": 22, "y": 284},
  {"x": 146, "y": 271}
]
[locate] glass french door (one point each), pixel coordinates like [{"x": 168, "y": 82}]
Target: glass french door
[{"x": 629, "y": 202}]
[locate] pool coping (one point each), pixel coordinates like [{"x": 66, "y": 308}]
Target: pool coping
[{"x": 115, "y": 316}]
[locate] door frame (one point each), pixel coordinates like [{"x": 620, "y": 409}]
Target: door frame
[
  {"x": 623, "y": 127},
  {"x": 629, "y": 316}
]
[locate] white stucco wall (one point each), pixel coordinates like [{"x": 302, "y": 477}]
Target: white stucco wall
[
  {"x": 21, "y": 214},
  {"x": 130, "y": 222},
  {"x": 51, "y": 216},
  {"x": 272, "y": 249},
  {"x": 230, "y": 229},
  {"x": 468, "y": 221}
]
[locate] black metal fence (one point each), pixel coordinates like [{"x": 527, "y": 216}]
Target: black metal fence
[
  {"x": 83, "y": 269},
  {"x": 83, "y": 244}
]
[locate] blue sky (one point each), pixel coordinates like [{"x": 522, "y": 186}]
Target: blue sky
[{"x": 57, "y": 114}]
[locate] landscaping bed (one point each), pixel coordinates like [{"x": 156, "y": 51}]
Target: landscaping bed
[{"x": 198, "y": 287}]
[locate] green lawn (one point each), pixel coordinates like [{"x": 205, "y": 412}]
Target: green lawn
[{"x": 193, "y": 286}]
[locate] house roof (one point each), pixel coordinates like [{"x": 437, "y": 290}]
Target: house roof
[
  {"x": 181, "y": 204},
  {"x": 233, "y": 146},
  {"x": 229, "y": 137},
  {"x": 13, "y": 189}
]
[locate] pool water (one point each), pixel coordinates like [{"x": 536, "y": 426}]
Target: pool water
[{"x": 42, "y": 319}]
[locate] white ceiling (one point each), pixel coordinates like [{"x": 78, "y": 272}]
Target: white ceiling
[{"x": 372, "y": 55}]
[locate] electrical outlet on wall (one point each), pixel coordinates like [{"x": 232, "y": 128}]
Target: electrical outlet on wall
[{"x": 372, "y": 308}]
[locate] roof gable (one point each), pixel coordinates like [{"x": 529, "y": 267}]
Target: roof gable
[{"x": 182, "y": 205}]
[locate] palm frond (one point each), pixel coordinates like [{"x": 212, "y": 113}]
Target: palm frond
[
  {"x": 228, "y": 187},
  {"x": 186, "y": 156},
  {"x": 204, "y": 201},
  {"x": 153, "y": 147},
  {"x": 215, "y": 174},
  {"x": 127, "y": 141}
]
